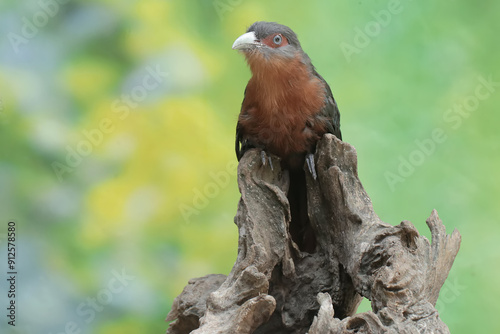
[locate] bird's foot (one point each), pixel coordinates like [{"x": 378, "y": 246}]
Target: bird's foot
[
  {"x": 311, "y": 165},
  {"x": 265, "y": 158}
]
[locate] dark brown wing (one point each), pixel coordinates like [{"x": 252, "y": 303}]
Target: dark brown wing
[
  {"x": 238, "y": 141},
  {"x": 241, "y": 144},
  {"x": 329, "y": 114}
]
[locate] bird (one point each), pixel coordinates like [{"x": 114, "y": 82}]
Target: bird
[{"x": 287, "y": 107}]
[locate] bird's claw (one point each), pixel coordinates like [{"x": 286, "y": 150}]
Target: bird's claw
[
  {"x": 311, "y": 165},
  {"x": 265, "y": 158}
]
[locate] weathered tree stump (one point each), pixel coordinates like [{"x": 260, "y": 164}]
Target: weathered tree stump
[{"x": 275, "y": 288}]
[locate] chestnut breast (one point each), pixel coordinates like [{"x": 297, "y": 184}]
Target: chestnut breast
[{"x": 281, "y": 103}]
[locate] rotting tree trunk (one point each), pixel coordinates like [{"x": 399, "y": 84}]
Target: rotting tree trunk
[{"x": 275, "y": 288}]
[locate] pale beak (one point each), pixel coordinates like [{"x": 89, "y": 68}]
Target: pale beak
[{"x": 246, "y": 41}]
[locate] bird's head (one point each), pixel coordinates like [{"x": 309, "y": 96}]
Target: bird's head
[{"x": 268, "y": 40}]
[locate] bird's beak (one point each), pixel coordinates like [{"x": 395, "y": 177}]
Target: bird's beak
[{"x": 246, "y": 41}]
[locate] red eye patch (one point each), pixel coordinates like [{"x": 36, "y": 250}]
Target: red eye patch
[{"x": 275, "y": 40}]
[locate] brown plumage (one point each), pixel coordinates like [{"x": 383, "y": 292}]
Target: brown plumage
[
  {"x": 287, "y": 108},
  {"x": 281, "y": 99}
]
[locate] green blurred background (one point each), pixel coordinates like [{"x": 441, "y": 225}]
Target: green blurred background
[{"x": 152, "y": 196}]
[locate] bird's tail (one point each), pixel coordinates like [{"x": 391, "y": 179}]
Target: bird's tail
[{"x": 300, "y": 226}]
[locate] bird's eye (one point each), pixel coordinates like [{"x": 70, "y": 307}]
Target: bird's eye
[{"x": 277, "y": 39}]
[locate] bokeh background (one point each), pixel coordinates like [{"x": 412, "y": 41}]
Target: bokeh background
[{"x": 117, "y": 123}]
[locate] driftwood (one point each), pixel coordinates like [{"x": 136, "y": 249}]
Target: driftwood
[{"x": 275, "y": 288}]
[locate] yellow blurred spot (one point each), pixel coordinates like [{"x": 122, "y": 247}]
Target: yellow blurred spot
[
  {"x": 87, "y": 79},
  {"x": 93, "y": 235},
  {"x": 152, "y": 10},
  {"x": 106, "y": 213},
  {"x": 176, "y": 144},
  {"x": 150, "y": 28},
  {"x": 108, "y": 200},
  {"x": 243, "y": 16}
]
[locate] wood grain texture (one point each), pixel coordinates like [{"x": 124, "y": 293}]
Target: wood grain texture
[{"x": 275, "y": 288}]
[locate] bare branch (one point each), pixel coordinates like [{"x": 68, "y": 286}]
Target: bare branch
[{"x": 276, "y": 288}]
